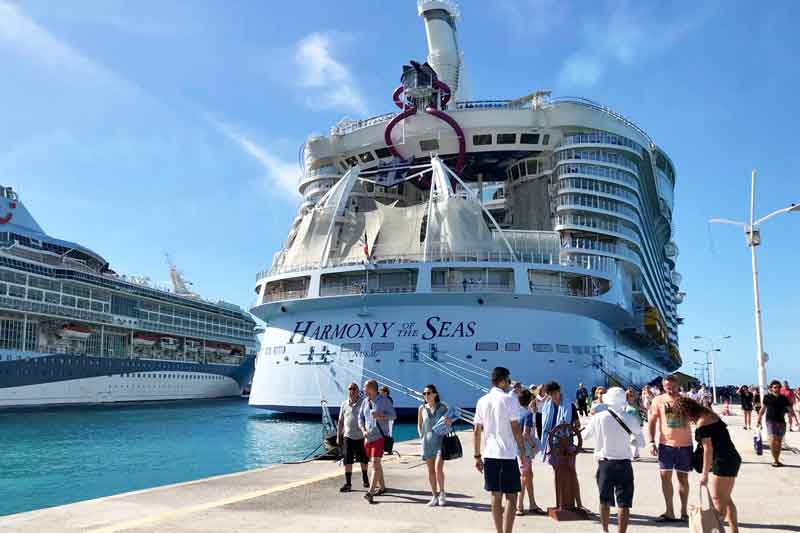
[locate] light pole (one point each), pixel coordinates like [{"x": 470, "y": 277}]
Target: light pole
[
  {"x": 711, "y": 359},
  {"x": 752, "y": 233}
]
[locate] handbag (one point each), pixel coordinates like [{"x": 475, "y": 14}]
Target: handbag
[
  {"x": 697, "y": 458},
  {"x": 704, "y": 520},
  {"x": 451, "y": 447}
]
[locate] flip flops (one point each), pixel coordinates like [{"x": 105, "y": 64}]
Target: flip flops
[{"x": 665, "y": 519}]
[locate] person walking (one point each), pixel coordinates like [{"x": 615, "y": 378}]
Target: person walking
[
  {"x": 539, "y": 397},
  {"x": 496, "y": 423},
  {"x": 647, "y": 398},
  {"x": 797, "y": 404},
  {"x": 526, "y": 423},
  {"x": 616, "y": 432},
  {"x": 674, "y": 448},
  {"x": 350, "y": 438},
  {"x": 376, "y": 413},
  {"x": 776, "y": 408},
  {"x": 788, "y": 393},
  {"x": 597, "y": 400},
  {"x": 632, "y": 408},
  {"x": 582, "y": 400},
  {"x": 428, "y": 415},
  {"x": 746, "y": 401},
  {"x": 721, "y": 461}
]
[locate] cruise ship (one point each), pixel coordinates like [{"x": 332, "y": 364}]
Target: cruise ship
[
  {"x": 73, "y": 331},
  {"x": 448, "y": 237}
]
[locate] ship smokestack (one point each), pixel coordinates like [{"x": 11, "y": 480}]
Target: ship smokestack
[{"x": 440, "y": 29}]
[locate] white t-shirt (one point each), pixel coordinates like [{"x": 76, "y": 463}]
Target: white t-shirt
[
  {"x": 495, "y": 412},
  {"x": 611, "y": 441}
]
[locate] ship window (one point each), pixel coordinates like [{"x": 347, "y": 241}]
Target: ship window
[
  {"x": 562, "y": 348},
  {"x": 481, "y": 140},
  {"x": 542, "y": 347},
  {"x": 16, "y": 291},
  {"x": 279, "y": 350},
  {"x": 382, "y": 346},
  {"x": 533, "y": 166},
  {"x": 428, "y": 145},
  {"x": 486, "y": 346},
  {"x": 529, "y": 138},
  {"x": 506, "y": 138},
  {"x": 366, "y": 157},
  {"x": 515, "y": 172},
  {"x": 351, "y": 347},
  {"x": 546, "y": 140},
  {"x": 352, "y": 161},
  {"x": 383, "y": 152},
  {"x": 512, "y": 346}
]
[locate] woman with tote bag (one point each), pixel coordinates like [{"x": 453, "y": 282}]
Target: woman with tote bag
[{"x": 717, "y": 462}]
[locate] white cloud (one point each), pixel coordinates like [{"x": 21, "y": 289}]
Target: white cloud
[
  {"x": 332, "y": 80},
  {"x": 21, "y": 33},
  {"x": 278, "y": 172},
  {"x": 581, "y": 70},
  {"x": 626, "y": 33}
]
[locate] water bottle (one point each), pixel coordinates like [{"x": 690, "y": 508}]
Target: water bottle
[{"x": 758, "y": 444}]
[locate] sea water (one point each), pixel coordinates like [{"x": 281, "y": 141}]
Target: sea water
[{"x": 57, "y": 456}]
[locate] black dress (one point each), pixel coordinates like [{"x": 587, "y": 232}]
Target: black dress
[{"x": 726, "y": 460}]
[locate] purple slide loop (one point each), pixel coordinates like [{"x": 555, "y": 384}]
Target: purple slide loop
[
  {"x": 462, "y": 148},
  {"x": 387, "y": 133}
]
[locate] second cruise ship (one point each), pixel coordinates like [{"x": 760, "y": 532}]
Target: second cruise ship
[
  {"x": 448, "y": 237},
  {"x": 73, "y": 331}
]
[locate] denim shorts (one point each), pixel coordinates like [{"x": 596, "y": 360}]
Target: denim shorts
[
  {"x": 776, "y": 429},
  {"x": 675, "y": 458}
]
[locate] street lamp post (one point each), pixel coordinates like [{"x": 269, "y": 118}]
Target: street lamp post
[
  {"x": 752, "y": 234},
  {"x": 711, "y": 360}
]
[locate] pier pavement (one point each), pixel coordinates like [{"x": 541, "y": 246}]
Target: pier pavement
[{"x": 305, "y": 497}]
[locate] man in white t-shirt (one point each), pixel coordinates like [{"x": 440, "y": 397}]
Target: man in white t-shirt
[{"x": 497, "y": 430}]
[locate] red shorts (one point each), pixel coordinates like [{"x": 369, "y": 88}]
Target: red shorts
[{"x": 374, "y": 448}]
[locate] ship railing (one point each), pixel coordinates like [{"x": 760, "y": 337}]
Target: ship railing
[
  {"x": 346, "y": 126},
  {"x": 473, "y": 286},
  {"x": 601, "y": 264},
  {"x": 348, "y": 289}
]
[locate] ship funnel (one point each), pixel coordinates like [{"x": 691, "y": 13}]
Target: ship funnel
[{"x": 440, "y": 29}]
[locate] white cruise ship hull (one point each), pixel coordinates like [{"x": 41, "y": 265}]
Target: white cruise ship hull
[{"x": 453, "y": 346}]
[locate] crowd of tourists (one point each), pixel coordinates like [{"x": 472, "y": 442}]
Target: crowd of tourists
[{"x": 512, "y": 431}]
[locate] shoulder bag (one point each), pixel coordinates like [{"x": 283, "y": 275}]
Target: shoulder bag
[{"x": 388, "y": 442}]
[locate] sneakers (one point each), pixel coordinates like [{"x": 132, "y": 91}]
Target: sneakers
[
  {"x": 442, "y": 499},
  {"x": 366, "y": 484},
  {"x": 434, "y": 501},
  {"x": 346, "y": 488},
  {"x": 368, "y": 496}
]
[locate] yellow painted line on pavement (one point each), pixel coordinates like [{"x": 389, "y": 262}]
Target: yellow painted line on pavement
[{"x": 183, "y": 511}]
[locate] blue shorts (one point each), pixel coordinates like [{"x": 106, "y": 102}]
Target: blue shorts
[
  {"x": 776, "y": 429},
  {"x": 672, "y": 458},
  {"x": 501, "y": 475},
  {"x": 615, "y": 481}
]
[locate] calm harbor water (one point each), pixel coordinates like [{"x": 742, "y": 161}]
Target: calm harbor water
[{"x": 58, "y": 456}]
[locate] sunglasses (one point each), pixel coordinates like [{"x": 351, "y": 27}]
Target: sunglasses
[
  {"x": 427, "y": 393},
  {"x": 352, "y": 388}
]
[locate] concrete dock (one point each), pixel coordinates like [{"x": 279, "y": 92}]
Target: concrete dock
[{"x": 305, "y": 497}]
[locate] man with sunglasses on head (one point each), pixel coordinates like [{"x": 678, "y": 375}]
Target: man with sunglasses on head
[
  {"x": 350, "y": 438},
  {"x": 776, "y": 407},
  {"x": 497, "y": 424}
]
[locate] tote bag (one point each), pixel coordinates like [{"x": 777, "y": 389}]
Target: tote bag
[
  {"x": 704, "y": 520},
  {"x": 451, "y": 447}
]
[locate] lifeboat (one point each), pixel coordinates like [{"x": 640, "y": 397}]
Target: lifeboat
[
  {"x": 76, "y": 332},
  {"x": 169, "y": 343},
  {"x": 143, "y": 339}
]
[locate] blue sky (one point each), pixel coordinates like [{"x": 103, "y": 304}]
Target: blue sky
[{"x": 142, "y": 127}]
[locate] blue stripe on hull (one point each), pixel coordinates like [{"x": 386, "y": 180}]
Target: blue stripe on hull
[{"x": 67, "y": 367}]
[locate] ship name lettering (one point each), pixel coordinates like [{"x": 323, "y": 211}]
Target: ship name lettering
[
  {"x": 443, "y": 328},
  {"x": 309, "y": 329}
]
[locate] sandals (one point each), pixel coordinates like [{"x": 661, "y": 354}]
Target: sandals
[
  {"x": 777, "y": 464},
  {"x": 520, "y": 512},
  {"x": 538, "y": 511}
]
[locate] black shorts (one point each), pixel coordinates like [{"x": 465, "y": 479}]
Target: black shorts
[
  {"x": 727, "y": 464},
  {"x": 501, "y": 475},
  {"x": 353, "y": 451},
  {"x": 615, "y": 481}
]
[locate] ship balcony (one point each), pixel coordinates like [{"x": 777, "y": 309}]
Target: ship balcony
[
  {"x": 601, "y": 140},
  {"x": 473, "y": 286}
]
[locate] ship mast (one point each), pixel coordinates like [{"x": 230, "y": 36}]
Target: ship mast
[{"x": 179, "y": 284}]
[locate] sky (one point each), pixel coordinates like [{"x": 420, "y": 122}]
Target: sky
[{"x": 139, "y": 128}]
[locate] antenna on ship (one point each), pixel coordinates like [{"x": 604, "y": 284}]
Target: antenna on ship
[{"x": 179, "y": 284}]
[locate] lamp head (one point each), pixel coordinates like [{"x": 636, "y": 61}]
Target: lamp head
[
  {"x": 795, "y": 208},
  {"x": 696, "y": 350}
]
